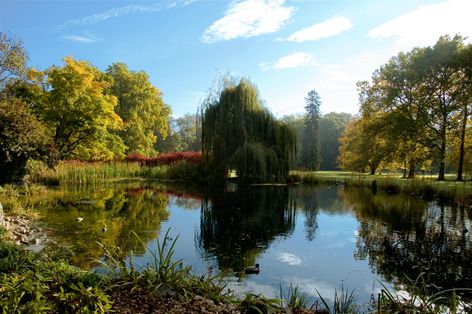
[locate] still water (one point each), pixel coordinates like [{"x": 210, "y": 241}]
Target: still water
[{"x": 316, "y": 237}]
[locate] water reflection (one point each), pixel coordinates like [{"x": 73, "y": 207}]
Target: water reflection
[
  {"x": 405, "y": 237},
  {"x": 313, "y": 235},
  {"x": 236, "y": 226},
  {"x": 109, "y": 216},
  {"x": 311, "y": 200}
]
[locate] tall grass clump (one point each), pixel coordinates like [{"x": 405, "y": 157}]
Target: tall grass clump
[
  {"x": 344, "y": 302},
  {"x": 295, "y": 299},
  {"x": 165, "y": 274},
  {"x": 77, "y": 172}
]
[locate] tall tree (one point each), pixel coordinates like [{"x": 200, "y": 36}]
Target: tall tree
[
  {"x": 80, "y": 112},
  {"x": 398, "y": 87},
  {"x": 465, "y": 65},
  {"x": 439, "y": 91},
  {"x": 310, "y": 156},
  {"x": 365, "y": 141},
  {"x": 141, "y": 108},
  {"x": 239, "y": 133},
  {"x": 13, "y": 59}
]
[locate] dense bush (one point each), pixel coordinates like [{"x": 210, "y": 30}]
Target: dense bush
[{"x": 21, "y": 136}]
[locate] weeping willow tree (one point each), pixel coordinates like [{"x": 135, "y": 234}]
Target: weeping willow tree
[{"x": 239, "y": 134}]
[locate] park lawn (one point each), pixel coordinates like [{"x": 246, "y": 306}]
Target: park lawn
[{"x": 385, "y": 179}]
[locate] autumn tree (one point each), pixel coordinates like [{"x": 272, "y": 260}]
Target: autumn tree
[
  {"x": 141, "y": 108},
  {"x": 398, "y": 87},
  {"x": 416, "y": 103},
  {"x": 440, "y": 92},
  {"x": 310, "y": 155},
  {"x": 80, "y": 112},
  {"x": 365, "y": 141}
]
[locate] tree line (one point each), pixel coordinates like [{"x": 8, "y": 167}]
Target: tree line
[
  {"x": 415, "y": 113},
  {"x": 76, "y": 111}
]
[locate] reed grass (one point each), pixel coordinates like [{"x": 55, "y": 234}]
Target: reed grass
[
  {"x": 294, "y": 299},
  {"x": 85, "y": 173},
  {"x": 344, "y": 302}
]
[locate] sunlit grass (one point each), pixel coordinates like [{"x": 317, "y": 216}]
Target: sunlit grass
[
  {"x": 393, "y": 182},
  {"x": 91, "y": 173}
]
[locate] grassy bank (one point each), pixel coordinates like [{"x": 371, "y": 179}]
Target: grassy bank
[
  {"x": 89, "y": 173},
  {"x": 423, "y": 185}
]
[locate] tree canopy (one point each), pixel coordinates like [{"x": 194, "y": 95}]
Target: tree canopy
[
  {"x": 239, "y": 133},
  {"x": 141, "y": 108},
  {"x": 414, "y": 108},
  {"x": 81, "y": 112}
]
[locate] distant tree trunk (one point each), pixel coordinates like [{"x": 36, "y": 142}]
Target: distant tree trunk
[
  {"x": 462, "y": 150},
  {"x": 404, "y": 169},
  {"x": 373, "y": 168},
  {"x": 442, "y": 152},
  {"x": 412, "y": 169}
]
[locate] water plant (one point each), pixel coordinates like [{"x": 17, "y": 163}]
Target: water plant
[
  {"x": 295, "y": 299},
  {"x": 344, "y": 301}
]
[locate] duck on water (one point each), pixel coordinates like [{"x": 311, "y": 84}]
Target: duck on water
[{"x": 252, "y": 270}]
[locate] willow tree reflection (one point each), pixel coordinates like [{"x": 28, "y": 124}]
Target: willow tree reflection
[
  {"x": 235, "y": 226},
  {"x": 404, "y": 237}
]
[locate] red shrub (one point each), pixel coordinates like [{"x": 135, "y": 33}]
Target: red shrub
[
  {"x": 135, "y": 157},
  {"x": 166, "y": 159}
]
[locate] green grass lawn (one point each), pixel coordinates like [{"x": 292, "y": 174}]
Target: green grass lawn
[{"x": 385, "y": 179}]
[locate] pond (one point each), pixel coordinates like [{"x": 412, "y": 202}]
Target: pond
[{"x": 317, "y": 237}]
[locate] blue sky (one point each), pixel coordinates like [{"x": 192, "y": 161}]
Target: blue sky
[{"x": 286, "y": 47}]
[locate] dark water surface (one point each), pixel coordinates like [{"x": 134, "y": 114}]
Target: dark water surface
[{"x": 316, "y": 237}]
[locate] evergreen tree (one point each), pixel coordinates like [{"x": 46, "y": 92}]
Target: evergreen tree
[{"x": 310, "y": 157}]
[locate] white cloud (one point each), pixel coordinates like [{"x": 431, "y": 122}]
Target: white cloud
[
  {"x": 328, "y": 28},
  {"x": 424, "y": 25},
  {"x": 293, "y": 60},
  {"x": 336, "y": 84},
  {"x": 125, "y": 10},
  {"x": 248, "y": 18},
  {"x": 86, "y": 38},
  {"x": 290, "y": 259}
]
